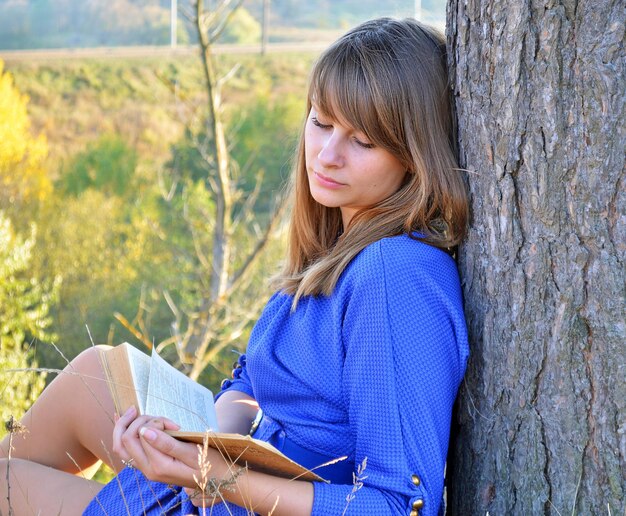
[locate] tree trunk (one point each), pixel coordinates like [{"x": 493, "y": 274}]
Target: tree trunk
[{"x": 540, "y": 98}]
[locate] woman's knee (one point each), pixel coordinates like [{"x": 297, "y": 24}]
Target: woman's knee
[
  {"x": 86, "y": 369},
  {"x": 90, "y": 357},
  {"x": 87, "y": 363}
]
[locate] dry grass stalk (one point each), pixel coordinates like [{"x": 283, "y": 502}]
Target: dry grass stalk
[
  {"x": 210, "y": 488},
  {"x": 13, "y": 427},
  {"x": 357, "y": 481}
]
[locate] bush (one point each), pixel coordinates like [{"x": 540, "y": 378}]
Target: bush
[
  {"x": 242, "y": 28},
  {"x": 24, "y": 308},
  {"x": 108, "y": 165}
]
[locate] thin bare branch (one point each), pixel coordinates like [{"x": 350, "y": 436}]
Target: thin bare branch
[
  {"x": 231, "y": 73},
  {"x": 248, "y": 206},
  {"x": 187, "y": 13},
  {"x": 172, "y": 306},
  {"x": 186, "y": 109},
  {"x": 111, "y": 335},
  {"x": 210, "y": 17},
  {"x": 224, "y": 18},
  {"x": 205, "y": 355},
  {"x": 136, "y": 333},
  {"x": 261, "y": 243},
  {"x": 141, "y": 310},
  {"x": 202, "y": 148},
  {"x": 166, "y": 194},
  {"x": 200, "y": 254},
  {"x": 249, "y": 162}
]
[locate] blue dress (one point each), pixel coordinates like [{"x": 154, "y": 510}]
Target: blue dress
[{"x": 370, "y": 372}]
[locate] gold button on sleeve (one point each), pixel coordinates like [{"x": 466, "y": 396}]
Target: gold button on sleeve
[
  {"x": 417, "y": 505},
  {"x": 415, "y": 479},
  {"x": 414, "y": 513}
]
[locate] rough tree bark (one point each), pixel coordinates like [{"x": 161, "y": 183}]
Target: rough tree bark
[{"x": 540, "y": 90}]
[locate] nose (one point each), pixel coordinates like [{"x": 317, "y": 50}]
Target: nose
[{"x": 331, "y": 153}]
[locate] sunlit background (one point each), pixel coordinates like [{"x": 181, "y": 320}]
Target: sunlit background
[{"x": 107, "y": 182}]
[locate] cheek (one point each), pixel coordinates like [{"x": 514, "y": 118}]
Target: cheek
[
  {"x": 400, "y": 177},
  {"x": 391, "y": 181},
  {"x": 397, "y": 174},
  {"x": 309, "y": 142}
]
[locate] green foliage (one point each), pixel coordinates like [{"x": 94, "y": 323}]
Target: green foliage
[
  {"x": 22, "y": 154},
  {"x": 186, "y": 164},
  {"x": 24, "y": 317},
  {"x": 146, "y": 102},
  {"x": 107, "y": 165},
  {"x": 114, "y": 228},
  {"x": 242, "y": 28},
  {"x": 265, "y": 133},
  {"x": 108, "y": 251}
]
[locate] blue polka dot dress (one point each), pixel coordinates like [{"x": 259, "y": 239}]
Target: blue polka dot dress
[{"x": 370, "y": 372}]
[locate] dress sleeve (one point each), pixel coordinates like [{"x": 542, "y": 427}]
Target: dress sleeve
[
  {"x": 406, "y": 349},
  {"x": 239, "y": 381}
]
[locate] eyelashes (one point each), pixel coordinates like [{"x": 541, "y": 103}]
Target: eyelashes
[{"x": 317, "y": 123}]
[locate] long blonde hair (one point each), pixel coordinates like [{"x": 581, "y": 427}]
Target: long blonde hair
[{"x": 387, "y": 79}]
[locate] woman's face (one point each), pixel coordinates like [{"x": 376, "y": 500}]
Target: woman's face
[{"x": 344, "y": 169}]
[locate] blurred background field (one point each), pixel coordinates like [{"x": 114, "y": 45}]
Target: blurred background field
[{"x": 27, "y": 24}]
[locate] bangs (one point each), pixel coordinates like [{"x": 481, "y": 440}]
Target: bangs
[{"x": 341, "y": 89}]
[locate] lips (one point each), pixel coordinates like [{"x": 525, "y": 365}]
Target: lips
[{"x": 327, "y": 181}]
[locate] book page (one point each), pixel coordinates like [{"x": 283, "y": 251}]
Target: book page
[
  {"x": 139, "y": 364},
  {"x": 178, "y": 397}
]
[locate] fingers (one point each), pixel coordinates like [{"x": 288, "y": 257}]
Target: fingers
[
  {"x": 167, "y": 459},
  {"x": 162, "y": 423},
  {"x": 126, "y": 443},
  {"x": 156, "y": 443},
  {"x": 170, "y": 425},
  {"x": 121, "y": 426},
  {"x": 142, "y": 440}
]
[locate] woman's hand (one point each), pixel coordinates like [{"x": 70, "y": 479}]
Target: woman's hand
[
  {"x": 206, "y": 477},
  {"x": 162, "y": 458},
  {"x": 172, "y": 462}
]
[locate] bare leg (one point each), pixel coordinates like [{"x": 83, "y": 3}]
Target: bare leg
[
  {"x": 70, "y": 426},
  {"x": 30, "y": 488}
]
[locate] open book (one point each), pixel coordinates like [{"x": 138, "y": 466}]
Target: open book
[{"x": 157, "y": 388}]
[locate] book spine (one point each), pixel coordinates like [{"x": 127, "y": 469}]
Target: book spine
[{"x": 109, "y": 379}]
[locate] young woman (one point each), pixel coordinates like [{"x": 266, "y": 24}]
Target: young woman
[{"x": 359, "y": 353}]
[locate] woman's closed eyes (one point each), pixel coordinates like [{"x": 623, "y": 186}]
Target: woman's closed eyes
[{"x": 359, "y": 141}]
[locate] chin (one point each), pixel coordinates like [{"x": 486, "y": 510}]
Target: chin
[{"x": 324, "y": 201}]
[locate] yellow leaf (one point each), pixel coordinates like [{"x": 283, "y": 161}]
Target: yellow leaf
[{"x": 22, "y": 155}]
